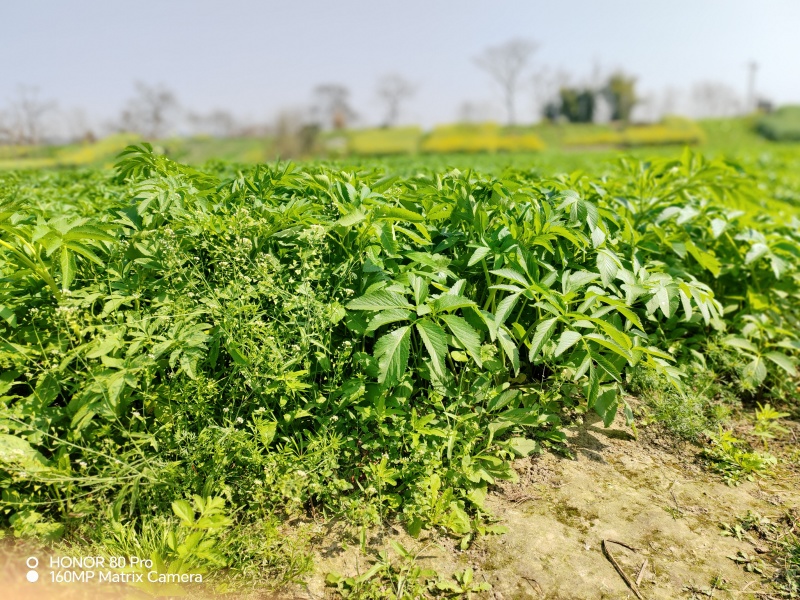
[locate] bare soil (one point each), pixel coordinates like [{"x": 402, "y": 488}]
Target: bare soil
[{"x": 649, "y": 494}]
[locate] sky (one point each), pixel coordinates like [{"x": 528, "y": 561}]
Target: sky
[{"x": 256, "y": 58}]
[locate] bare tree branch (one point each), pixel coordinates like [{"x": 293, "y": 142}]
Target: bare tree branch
[
  {"x": 506, "y": 64},
  {"x": 24, "y": 121},
  {"x": 151, "y": 112},
  {"x": 331, "y": 106},
  {"x": 393, "y": 90}
]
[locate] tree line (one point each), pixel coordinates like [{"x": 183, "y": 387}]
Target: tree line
[{"x": 154, "y": 111}]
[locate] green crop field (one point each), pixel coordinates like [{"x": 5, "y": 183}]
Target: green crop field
[{"x": 195, "y": 361}]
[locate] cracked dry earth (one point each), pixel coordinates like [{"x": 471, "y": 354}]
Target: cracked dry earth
[{"x": 653, "y": 498}]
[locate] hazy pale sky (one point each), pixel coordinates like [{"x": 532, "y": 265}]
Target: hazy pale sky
[{"x": 255, "y": 58}]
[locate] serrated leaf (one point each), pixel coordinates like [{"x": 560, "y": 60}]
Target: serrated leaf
[
  {"x": 509, "y": 346},
  {"x": 505, "y": 307},
  {"x": 391, "y": 352},
  {"x": 718, "y": 227},
  {"x": 742, "y": 343},
  {"x": 385, "y": 317},
  {"x": 755, "y": 371},
  {"x": 512, "y": 275},
  {"x": 607, "y": 265},
  {"x": 607, "y": 366},
  {"x": 478, "y": 255},
  {"x": 68, "y": 268},
  {"x": 523, "y": 446},
  {"x": 384, "y": 211},
  {"x": 184, "y": 511},
  {"x": 606, "y": 406},
  {"x": 435, "y": 340},
  {"x": 449, "y": 302},
  {"x": 783, "y": 361},
  {"x": 566, "y": 341},
  {"x": 380, "y": 300},
  {"x": 756, "y": 251},
  {"x": 466, "y": 335},
  {"x": 351, "y": 219},
  {"x": 544, "y": 330}
]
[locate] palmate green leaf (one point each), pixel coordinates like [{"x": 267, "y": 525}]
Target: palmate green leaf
[
  {"x": 435, "y": 340},
  {"x": 380, "y": 300},
  {"x": 466, "y": 336},
  {"x": 391, "y": 352},
  {"x": 544, "y": 331}
]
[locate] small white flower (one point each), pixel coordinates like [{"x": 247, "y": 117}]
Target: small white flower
[{"x": 239, "y": 420}]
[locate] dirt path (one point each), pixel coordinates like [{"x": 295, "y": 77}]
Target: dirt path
[{"x": 656, "y": 500}]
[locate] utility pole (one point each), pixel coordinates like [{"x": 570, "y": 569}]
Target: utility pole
[{"x": 752, "y": 68}]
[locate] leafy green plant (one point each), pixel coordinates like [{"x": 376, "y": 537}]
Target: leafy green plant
[
  {"x": 403, "y": 578},
  {"x": 368, "y": 343},
  {"x": 766, "y": 425},
  {"x": 727, "y": 457}
]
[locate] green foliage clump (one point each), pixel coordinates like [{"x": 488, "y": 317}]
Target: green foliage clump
[
  {"x": 781, "y": 126},
  {"x": 328, "y": 342}
]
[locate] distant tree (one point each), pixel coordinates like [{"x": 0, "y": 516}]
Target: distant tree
[
  {"x": 393, "y": 90},
  {"x": 152, "y": 112},
  {"x": 474, "y": 112},
  {"x": 546, "y": 86},
  {"x": 552, "y": 110},
  {"x": 294, "y": 135},
  {"x": 77, "y": 126},
  {"x": 24, "y": 121},
  {"x": 331, "y": 107},
  {"x": 620, "y": 91},
  {"x": 218, "y": 123},
  {"x": 506, "y": 64},
  {"x": 577, "y": 104},
  {"x": 714, "y": 99}
]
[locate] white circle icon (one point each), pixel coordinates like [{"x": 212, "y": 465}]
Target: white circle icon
[
  {"x": 32, "y": 562},
  {"x": 32, "y": 576}
]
